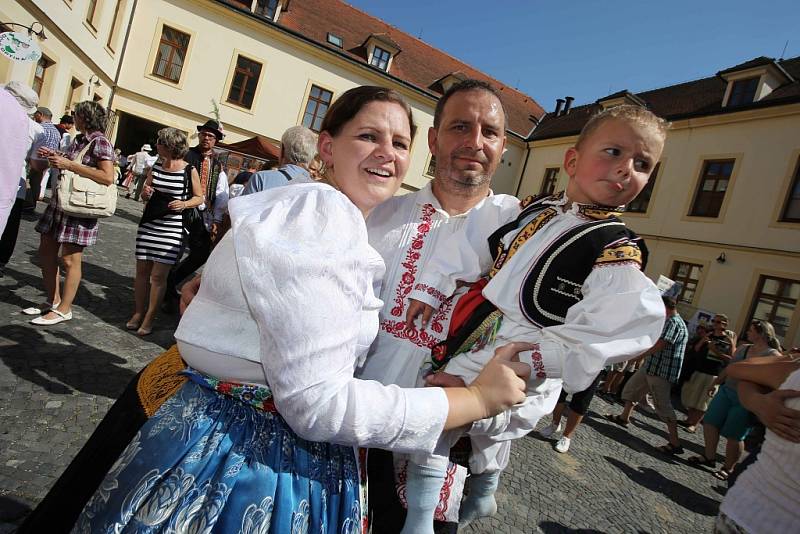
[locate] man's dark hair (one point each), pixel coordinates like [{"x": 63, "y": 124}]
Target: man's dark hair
[
  {"x": 669, "y": 302},
  {"x": 467, "y": 85}
]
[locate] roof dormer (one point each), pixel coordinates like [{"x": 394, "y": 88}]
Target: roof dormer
[
  {"x": 753, "y": 80},
  {"x": 621, "y": 98},
  {"x": 381, "y": 50},
  {"x": 447, "y": 81},
  {"x": 270, "y": 9}
]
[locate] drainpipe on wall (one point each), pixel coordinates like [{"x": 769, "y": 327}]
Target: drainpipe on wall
[
  {"x": 121, "y": 56},
  {"x": 536, "y": 123}
]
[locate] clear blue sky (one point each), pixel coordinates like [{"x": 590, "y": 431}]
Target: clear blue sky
[{"x": 590, "y": 48}]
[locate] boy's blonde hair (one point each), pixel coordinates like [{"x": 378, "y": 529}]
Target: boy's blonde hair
[{"x": 636, "y": 115}]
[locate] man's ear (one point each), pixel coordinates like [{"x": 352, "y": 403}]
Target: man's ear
[
  {"x": 325, "y": 148},
  {"x": 571, "y": 161},
  {"x": 432, "y": 135}
]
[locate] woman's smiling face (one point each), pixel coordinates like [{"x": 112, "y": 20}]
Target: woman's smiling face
[{"x": 369, "y": 156}]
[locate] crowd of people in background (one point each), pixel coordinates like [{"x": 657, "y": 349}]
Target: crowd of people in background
[{"x": 729, "y": 387}]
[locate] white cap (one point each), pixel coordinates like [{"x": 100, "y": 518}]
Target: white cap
[{"x": 26, "y": 96}]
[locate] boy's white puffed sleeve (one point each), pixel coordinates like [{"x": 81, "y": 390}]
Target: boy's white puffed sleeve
[
  {"x": 620, "y": 316},
  {"x": 465, "y": 256},
  {"x": 306, "y": 269}
]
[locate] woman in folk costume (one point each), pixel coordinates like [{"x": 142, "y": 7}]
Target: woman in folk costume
[{"x": 261, "y": 436}]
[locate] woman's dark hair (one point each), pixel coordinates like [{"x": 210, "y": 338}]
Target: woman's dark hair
[
  {"x": 353, "y": 101},
  {"x": 93, "y": 115}
]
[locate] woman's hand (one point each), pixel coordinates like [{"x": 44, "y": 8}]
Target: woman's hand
[
  {"x": 60, "y": 162},
  {"x": 147, "y": 192},
  {"x": 772, "y": 411},
  {"x": 177, "y": 205},
  {"x": 45, "y": 152},
  {"x": 712, "y": 391},
  {"x": 444, "y": 380},
  {"x": 503, "y": 381}
]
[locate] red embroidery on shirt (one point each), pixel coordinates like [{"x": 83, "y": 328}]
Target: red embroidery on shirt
[
  {"x": 432, "y": 291},
  {"x": 536, "y": 362},
  {"x": 398, "y": 328}
]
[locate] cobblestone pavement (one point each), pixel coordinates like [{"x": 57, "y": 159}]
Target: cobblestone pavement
[{"x": 56, "y": 383}]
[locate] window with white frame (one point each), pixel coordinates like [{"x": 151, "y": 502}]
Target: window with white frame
[
  {"x": 319, "y": 100},
  {"x": 380, "y": 58}
]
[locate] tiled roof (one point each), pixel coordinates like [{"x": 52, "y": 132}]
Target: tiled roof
[
  {"x": 418, "y": 63},
  {"x": 690, "y": 99}
]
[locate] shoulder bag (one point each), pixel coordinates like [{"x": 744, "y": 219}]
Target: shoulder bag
[
  {"x": 193, "y": 225},
  {"x": 82, "y": 197}
]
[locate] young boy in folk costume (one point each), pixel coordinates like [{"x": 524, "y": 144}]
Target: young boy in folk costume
[{"x": 566, "y": 274}]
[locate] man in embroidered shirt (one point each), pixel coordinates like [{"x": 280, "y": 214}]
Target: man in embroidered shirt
[
  {"x": 467, "y": 140},
  {"x": 660, "y": 370}
]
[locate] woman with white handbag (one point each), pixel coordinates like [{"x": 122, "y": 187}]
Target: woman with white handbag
[{"x": 90, "y": 157}]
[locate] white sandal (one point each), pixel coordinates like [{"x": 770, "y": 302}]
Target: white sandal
[
  {"x": 60, "y": 318},
  {"x": 43, "y": 308}
]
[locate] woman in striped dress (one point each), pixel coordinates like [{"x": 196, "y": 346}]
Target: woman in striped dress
[{"x": 160, "y": 236}]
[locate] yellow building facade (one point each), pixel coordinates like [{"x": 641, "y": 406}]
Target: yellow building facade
[
  {"x": 722, "y": 215},
  {"x": 261, "y": 74}
]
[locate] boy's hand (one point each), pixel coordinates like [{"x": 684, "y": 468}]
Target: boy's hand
[
  {"x": 415, "y": 308},
  {"x": 444, "y": 380}
]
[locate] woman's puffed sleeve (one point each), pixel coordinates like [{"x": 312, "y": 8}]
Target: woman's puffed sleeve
[
  {"x": 306, "y": 269},
  {"x": 465, "y": 256},
  {"x": 620, "y": 316}
]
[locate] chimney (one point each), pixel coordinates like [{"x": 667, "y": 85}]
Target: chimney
[
  {"x": 559, "y": 104},
  {"x": 568, "y": 104}
]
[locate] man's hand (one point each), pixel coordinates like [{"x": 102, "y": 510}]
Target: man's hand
[
  {"x": 772, "y": 411},
  {"x": 415, "y": 308},
  {"x": 444, "y": 380},
  {"x": 188, "y": 292}
]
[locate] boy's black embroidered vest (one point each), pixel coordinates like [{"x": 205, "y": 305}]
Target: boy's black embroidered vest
[{"x": 553, "y": 282}]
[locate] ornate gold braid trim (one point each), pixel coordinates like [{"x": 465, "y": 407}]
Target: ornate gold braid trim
[
  {"x": 476, "y": 334},
  {"x": 160, "y": 380}
]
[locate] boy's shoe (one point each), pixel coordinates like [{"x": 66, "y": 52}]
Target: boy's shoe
[
  {"x": 563, "y": 444},
  {"x": 550, "y": 429}
]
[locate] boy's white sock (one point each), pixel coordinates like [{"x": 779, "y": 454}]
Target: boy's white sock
[
  {"x": 423, "y": 486},
  {"x": 480, "y": 501}
]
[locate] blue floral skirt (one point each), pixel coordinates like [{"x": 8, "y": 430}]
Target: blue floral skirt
[{"x": 208, "y": 462}]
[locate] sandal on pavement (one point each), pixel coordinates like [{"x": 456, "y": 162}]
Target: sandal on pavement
[
  {"x": 670, "y": 449},
  {"x": 617, "y": 420},
  {"x": 59, "y": 318},
  {"x": 133, "y": 325},
  {"x": 722, "y": 474},
  {"x": 38, "y": 310},
  {"x": 701, "y": 460},
  {"x": 141, "y": 332},
  {"x": 691, "y": 429}
]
